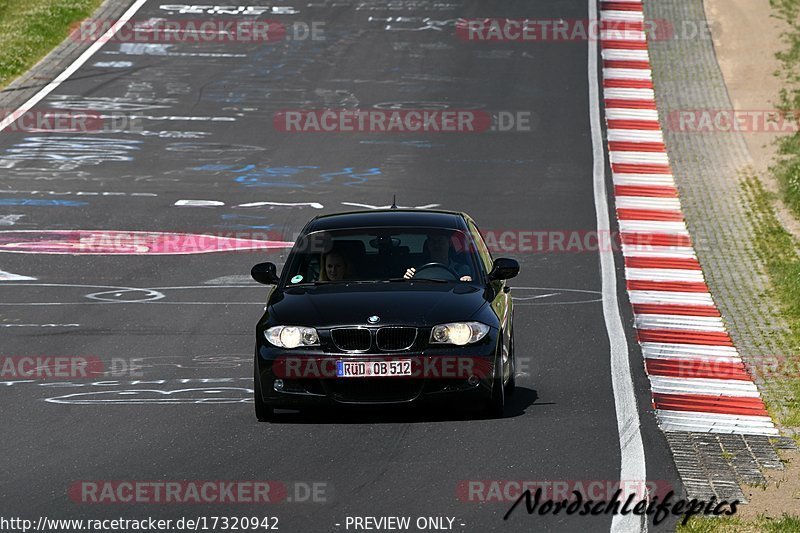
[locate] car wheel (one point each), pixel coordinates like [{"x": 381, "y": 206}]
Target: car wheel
[
  {"x": 511, "y": 386},
  {"x": 264, "y": 412},
  {"x": 496, "y": 407}
]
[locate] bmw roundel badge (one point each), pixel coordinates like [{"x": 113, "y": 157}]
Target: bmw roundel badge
[{"x": 374, "y": 319}]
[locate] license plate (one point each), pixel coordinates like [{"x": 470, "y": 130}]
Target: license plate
[{"x": 362, "y": 369}]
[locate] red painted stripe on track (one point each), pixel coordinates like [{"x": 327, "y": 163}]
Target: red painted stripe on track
[
  {"x": 675, "y": 309},
  {"x": 626, "y": 124},
  {"x": 662, "y": 262},
  {"x": 627, "y": 146},
  {"x": 650, "y": 191},
  {"x": 672, "y": 336},
  {"x": 621, "y": 6},
  {"x": 629, "y": 104},
  {"x": 729, "y": 405},
  {"x": 696, "y": 369},
  {"x": 672, "y": 286},
  {"x": 619, "y": 44},
  {"x": 624, "y": 83},
  {"x": 635, "y": 168},
  {"x": 655, "y": 239},
  {"x": 626, "y": 63},
  {"x": 650, "y": 215}
]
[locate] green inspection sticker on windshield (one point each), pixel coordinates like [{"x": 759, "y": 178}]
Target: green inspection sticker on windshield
[{"x": 297, "y": 279}]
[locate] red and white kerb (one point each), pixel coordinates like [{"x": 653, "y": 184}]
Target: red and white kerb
[{"x": 698, "y": 379}]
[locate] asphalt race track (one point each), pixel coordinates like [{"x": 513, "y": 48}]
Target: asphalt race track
[{"x": 177, "y": 329}]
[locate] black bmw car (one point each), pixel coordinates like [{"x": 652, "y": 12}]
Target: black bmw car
[{"x": 386, "y": 306}]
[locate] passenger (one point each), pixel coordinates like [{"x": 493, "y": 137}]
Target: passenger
[
  {"x": 335, "y": 267},
  {"x": 438, "y": 249}
]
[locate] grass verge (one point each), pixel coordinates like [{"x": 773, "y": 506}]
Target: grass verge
[
  {"x": 777, "y": 250},
  {"x": 785, "y": 524},
  {"x": 787, "y": 168},
  {"x": 29, "y": 29}
]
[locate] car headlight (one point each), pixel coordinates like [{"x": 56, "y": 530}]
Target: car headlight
[
  {"x": 459, "y": 333},
  {"x": 291, "y": 336}
]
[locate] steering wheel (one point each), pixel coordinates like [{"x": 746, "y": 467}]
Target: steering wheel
[{"x": 436, "y": 265}]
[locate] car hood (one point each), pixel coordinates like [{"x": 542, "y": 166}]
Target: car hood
[{"x": 401, "y": 303}]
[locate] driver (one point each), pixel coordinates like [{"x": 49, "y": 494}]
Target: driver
[
  {"x": 438, "y": 248},
  {"x": 335, "y": 267}
]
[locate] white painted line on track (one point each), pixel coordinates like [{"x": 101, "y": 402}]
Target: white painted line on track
[
  {"x": 9, "y": 276},
  {"x": 632, "y": 458},
  {"x": 647, "y": 250},
  {"x": 715, "y": 423},
  {"x": 625, "y": 16},
  {"x": 639, "y": 158},
  {"x": 630, "y": 94},
  {"x": 648, "y": 202},
  {"x": 680, "y": 322},
  {"x": 664, "y": 274},
  {"x": 648, "y": 226},
  {"x": 626, "y": 55},
  {"x": 670, "y": 297},
  {"x": 706, "y": 387},
  {"x": 663, "y": 350},
  {"x": 627, "y": 73},
  {"x": 624, "y": 113},
  {"x": 641, "y": 136},
  {"x": 622, "y": 35}
]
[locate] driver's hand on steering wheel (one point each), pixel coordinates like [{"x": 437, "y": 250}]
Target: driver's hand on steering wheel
[{"x": 411, "y": 271}]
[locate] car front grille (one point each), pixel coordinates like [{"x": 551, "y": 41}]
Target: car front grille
[
  {"x": 374, "y": 390},
  {"x": 396, "y": 338},
  {"x": 352, "y": 339}
]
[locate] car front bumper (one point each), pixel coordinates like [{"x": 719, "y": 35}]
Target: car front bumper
[{"x": 292, "y": 380}]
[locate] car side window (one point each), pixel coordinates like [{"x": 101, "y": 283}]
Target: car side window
[{"x": 483, "y": 251}]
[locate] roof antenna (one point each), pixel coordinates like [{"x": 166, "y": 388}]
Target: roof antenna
[{"x": 394, "y": 202}]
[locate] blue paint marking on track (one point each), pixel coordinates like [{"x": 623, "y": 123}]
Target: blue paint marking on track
[
  {"x": 354, "y": 177},
  {"x": 244, "y": 226},
  {"x": 416, "y": 144},
  {"x": 291, "y": 176},
  {"x": 40, "y": 203},
  {"x": 271, "y": 176},
  {"x": 242, "y": 222}
]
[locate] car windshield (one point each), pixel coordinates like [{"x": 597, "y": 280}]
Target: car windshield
[{"x": 382, "y": 254}]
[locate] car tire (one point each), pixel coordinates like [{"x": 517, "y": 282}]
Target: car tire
[
  {"x": 511, "y": 386},
  {"x": 496, "y": 406},
  {"x": 264, "y": 412}
]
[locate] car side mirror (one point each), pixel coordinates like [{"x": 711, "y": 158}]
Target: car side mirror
[
  {"x": 265, "y": 273},
  {"x": 503, "y": 268}
]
